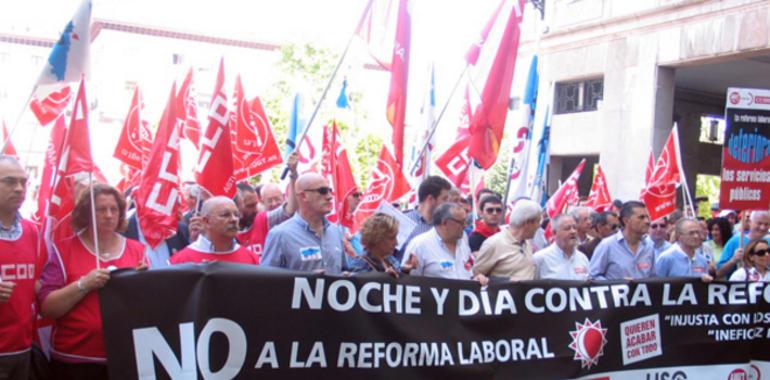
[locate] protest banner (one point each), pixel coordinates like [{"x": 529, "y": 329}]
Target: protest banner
[
  {"x": 746, "y": 151},
  {"x": 225, "y": 321}
]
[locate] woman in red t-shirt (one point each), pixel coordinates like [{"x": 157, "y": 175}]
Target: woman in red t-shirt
[{"x": 72, "y": 276}]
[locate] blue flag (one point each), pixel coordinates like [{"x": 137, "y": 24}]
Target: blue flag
[
  {"x": 296, "y": 125},
  {"x": 342, "y": 100}
]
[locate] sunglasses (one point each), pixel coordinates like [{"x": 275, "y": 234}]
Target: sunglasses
[
  {"x": 759, "y": 252},
  {"x": 654, "y": 225},
  {"x": 356, "y": 195},
  {"x": 493, "y": 210},
  {"x": 322, "y": 190},
  {"x": 614, "y": 226}
]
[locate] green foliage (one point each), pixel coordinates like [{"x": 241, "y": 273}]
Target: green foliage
[{"x": 707, "y": 186}]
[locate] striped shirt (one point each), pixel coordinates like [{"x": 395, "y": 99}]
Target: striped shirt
[{"x": 14, "y": 231}]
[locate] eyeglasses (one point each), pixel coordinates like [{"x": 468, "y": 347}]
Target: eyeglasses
[
  {"x": 356, "y": 195},
  {"x": 657, "y": 225},
  {"x": 322, "y": 190},
  {"x": 760, "y": 252},
  {"x": 493, "y": 210},
  {"x": 460, "y": 222},
  {"x": 614, "y": 226},
  {"x": 12, "y": 181}
]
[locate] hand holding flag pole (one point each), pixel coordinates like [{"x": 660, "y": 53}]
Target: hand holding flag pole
[{"x": 328, "y": 85}]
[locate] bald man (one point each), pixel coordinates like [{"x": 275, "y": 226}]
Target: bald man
[
  {"x": 217, "y": 241},
  {"x": 308, "y": 242}
]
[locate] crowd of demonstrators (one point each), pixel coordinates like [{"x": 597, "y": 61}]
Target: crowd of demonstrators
[{"x": 265, "y": 225}]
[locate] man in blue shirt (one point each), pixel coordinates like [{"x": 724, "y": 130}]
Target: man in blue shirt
[
  {"x": 625, "y": 255},
  {"x": 683, "y": 258},
  {"x": 758, "y": 224},
  {"x": 308, "y": 242},
  {"x": 659, "y": 236}
]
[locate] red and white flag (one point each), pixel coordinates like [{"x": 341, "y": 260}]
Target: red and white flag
[
  {"x": 337, "y": 170},
  {"x": 599, "y": 198},
  {"x": 52, "y": 105},
  {"x": 388, "y": 185},
  {"x": 454, "y": 162},
  {"x": 649, "y": 169},
  {"x": 157, "y": 197},
  {"x": 254, "y": 147},
  {"x": 567, "y": 194},
  {"x": 659, "y": 195},
  {"x": 399, "y": 78},
  {"x": 488, "y": 120},
  {"x": 377, "y": 29},
  {"x": 214, "y": 171},
  {"x": 50, "y": 166},
  {"x": 135, "y": 139},
  {"x": 187, "y": 110}
]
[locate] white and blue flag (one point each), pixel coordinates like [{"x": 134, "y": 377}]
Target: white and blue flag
[{"x": 70, "y": 56}]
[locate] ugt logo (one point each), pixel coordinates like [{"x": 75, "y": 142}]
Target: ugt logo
[{"x": 588, "y": 341}]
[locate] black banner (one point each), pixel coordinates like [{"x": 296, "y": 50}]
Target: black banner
[{"x": 230, "y": 321}]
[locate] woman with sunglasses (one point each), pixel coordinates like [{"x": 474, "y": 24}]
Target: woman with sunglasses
[{"x": 755, "y": 263}]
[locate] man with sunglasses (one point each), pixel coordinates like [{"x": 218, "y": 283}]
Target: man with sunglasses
[
  {"x": 308, "y": 241},
  {"x": 732, "y": 254},
  {"x": 491, "y": 207},
  {"x": 683, "y": 259},
  {"x": 658, "y": 236},
  {"x": 21, "y": 259},
  {"x": 604, "y": 224}
]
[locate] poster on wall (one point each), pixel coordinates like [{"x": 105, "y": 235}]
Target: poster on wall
[{"x": 746, "y": 150}]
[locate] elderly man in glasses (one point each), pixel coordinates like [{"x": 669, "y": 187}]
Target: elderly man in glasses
[
  {"x": 604, "y": 224},
  {"x": 308, "y": 242},
  {"x": 658, "y": 236},
  {"x": 683, "y": 259}
]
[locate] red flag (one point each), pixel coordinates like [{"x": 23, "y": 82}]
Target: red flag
[
  {"x": 52, "y": 105},
  {"x": 214, "y": 171},
  {"x": 488, "y": 121},
  {"x": 454, "y": 163},
  {"x": 254, "y": 147},
  {"x": 377, "y": 30},
  {"x": 337, "y": 169},
  {"x": 399, "y": 77},
  {"x": 187, "y": 111},
  {"x": 566, "y": 195},
  {"x": 50, "y": 166},
  {"x": 388, "y": 185},
  {"x": 9, "y": 149},
  {"x": 135, "y": 139},
  {"x": 599, "y": 199},
  {"x": 472, "y": 56},
  {"x": 77, "y": 147},
  {"x": 649, "y": 169},
  {"x": 660, "y": 193},
  {"x": 157, "y": 197}
]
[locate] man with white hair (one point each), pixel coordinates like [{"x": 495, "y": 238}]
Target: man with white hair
[
  {"x": 507, "y": 253},
  {"x": 562, "y": 260},
  {"x": 583, "y": 216},
  {"x": 217, "y": 240},
  {"x": 308, "y": 241},
  {"x": 759, "y": 222},
  {"x": 683, "y": 259}
]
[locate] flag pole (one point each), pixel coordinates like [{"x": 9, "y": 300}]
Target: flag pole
[
  {"x": 433, "y": 127},
  {"x": 686, "y": 188},
  {"x": 93, "y": 217},
  {"x": 16, "y": 124},
  {"x": 298, "y": 143}
]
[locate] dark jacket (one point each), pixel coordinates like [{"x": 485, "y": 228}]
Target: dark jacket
[{"x": 175, "y": 243}]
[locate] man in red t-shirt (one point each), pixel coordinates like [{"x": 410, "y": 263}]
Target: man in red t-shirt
[
  {"x": 217, "y": 242},
  {"x": 20, "y": 251}
]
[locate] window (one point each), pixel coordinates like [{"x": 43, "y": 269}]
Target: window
[
  {"x": 579, "y": 96},
  {"x": 712, "y": 130}
]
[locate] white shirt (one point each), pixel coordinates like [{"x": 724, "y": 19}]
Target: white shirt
[
  {"x": 553, "y": 263},
  {"x": 435, "y": 260},
  {"x": 740, "y": 275}
]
